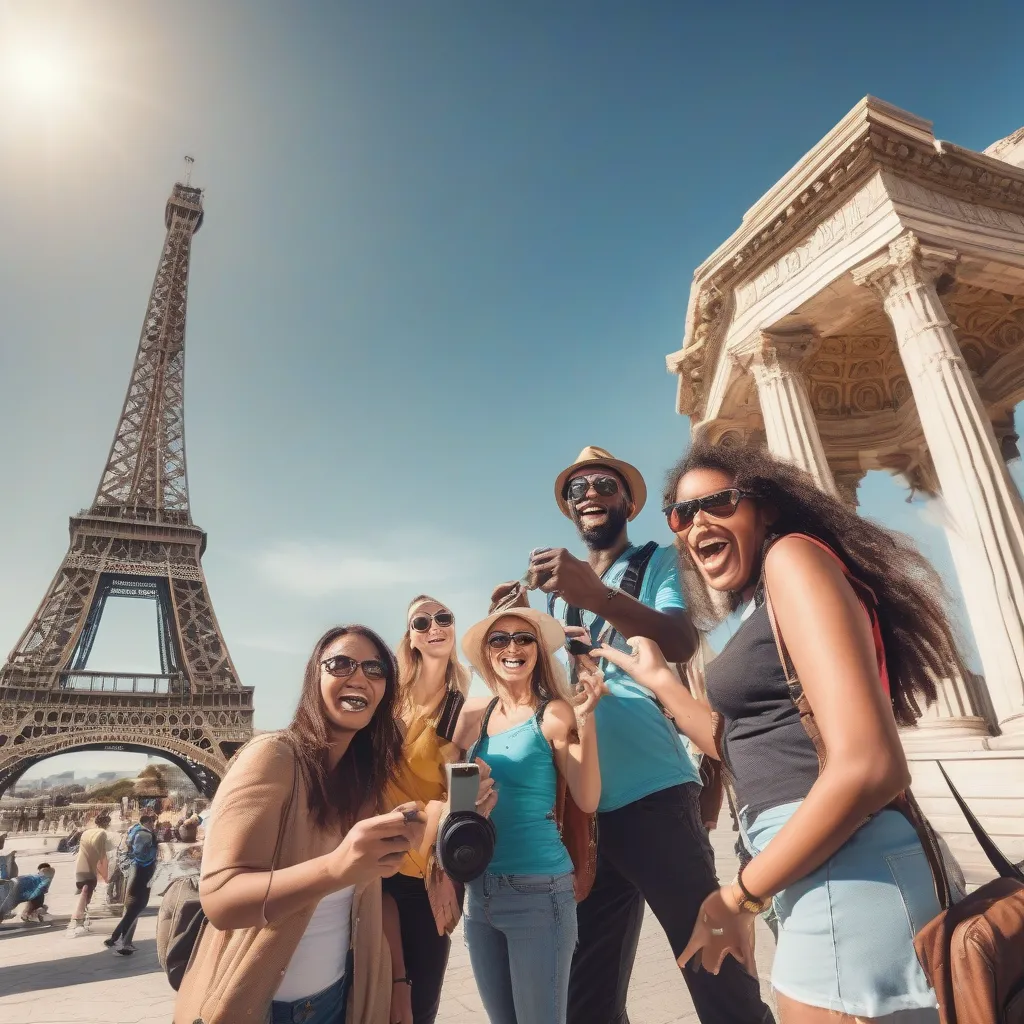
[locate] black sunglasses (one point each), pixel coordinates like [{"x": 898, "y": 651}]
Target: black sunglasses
[
  {"x": 499, "y": 641},
  {"x": 421, "y": 623},
  {"x": 606, "y": 486},
  {"x": 341, "y": 666},
  {"x": 721, "y": 505}
]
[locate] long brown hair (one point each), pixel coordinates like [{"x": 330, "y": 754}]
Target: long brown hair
[
  {"x": 410, "y": 662},
  {"x": 372, "y": 757},
  {"x": 920, "y": 642}
]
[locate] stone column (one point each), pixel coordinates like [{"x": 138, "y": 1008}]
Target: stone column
[
  {"x": 848, "y": 483},
  {"x": 789, "y": 423},
  {"x": 983, "y": 505}
]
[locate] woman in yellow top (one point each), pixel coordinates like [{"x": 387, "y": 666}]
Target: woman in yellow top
[{"x": 432, "y": 688}]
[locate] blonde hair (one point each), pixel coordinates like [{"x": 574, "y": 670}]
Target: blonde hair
[
  {"x": 410, "y": 661},
  {"x": 548, "y": 681}
]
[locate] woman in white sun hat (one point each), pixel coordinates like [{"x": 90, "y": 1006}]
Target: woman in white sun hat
[{"x": 520, "y": 917}]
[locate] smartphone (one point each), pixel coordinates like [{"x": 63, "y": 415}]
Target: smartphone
[
  {"x": 577, "y": 647},
  {"x": 463, "y": 786}
]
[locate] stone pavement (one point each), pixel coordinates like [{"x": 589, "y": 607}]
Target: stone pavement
[{"x": 46, "y": 978}]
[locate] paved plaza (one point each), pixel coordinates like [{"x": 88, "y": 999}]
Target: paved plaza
[{"x": 46, "y": 978}]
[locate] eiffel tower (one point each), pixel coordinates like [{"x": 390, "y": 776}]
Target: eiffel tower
[{"x": 136, "y": 540}]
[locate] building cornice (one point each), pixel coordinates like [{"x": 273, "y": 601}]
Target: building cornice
[{"x": 875, "y": 135}]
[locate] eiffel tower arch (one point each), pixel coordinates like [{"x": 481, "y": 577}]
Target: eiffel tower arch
[{"x": 136, "y": 540}]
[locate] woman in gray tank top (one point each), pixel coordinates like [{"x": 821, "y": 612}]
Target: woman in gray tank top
[{"x": 860, "y": 616}]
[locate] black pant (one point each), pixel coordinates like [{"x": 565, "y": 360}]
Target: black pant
[
  {"x": 135, "y": 899},
  {"x": 425, "y": 952},
  {"x": 655, "y": 850}
]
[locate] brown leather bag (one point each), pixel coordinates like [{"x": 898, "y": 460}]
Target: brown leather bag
[
  {"x": 973, "y": 953},
  {"x": 577, "y": 828}
]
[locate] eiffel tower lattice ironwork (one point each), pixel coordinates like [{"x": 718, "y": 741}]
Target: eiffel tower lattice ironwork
[{"x": 136, "y": 540}]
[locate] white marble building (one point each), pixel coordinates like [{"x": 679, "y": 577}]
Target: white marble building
[{"x": 869, "y": 314}]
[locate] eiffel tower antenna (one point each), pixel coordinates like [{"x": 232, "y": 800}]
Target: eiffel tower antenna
[
  {"x": 189, "y": 161},
  {"x": 136, "y": 540}
]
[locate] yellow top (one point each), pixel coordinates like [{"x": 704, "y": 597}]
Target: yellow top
[{"x": 421, "y": 776}]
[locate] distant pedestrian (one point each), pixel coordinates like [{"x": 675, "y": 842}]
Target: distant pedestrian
[
  {"x": 140, "y": 855},
  {"x": 90, "y": 867},
  {"x": 28, "y": 889}
]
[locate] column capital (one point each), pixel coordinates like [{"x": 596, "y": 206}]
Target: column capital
[
  {"x": 848, "y": 482},
  {"x": 907, "y": 262},
  {"x": 776, "y": 354}
]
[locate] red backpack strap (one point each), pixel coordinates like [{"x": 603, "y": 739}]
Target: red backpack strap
[{"x": 864, "y": 593}]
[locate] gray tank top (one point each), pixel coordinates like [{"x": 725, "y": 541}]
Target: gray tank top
[{"x": 765, "y": 747}]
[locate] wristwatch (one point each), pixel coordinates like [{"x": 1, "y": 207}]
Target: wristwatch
[{"x": 750, "y": 903}]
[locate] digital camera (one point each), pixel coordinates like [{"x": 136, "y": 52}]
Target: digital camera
[{"x": 465, "y": 838}]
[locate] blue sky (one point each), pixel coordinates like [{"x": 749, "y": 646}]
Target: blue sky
[{"x": 446, "y": 246}]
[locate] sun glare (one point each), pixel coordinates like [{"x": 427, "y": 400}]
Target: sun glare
[
  {"x": 44, "y": 77},
  {"x": 41, "y": 75}
]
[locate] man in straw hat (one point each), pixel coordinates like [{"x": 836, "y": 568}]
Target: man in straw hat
[{"x": 652, "y": 845}]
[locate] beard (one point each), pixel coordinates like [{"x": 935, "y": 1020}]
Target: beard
[{"x": 600, "y": 538}]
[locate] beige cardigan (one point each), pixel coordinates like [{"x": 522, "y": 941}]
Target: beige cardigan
[{"x": 233, "y": 975}]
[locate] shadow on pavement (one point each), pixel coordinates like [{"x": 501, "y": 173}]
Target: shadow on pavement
[{"x": 100, "y": 965}]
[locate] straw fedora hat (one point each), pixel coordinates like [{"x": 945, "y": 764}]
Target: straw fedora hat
[
  {"x": 594, "y": 458},
  {"x": 549, "y": 632}
]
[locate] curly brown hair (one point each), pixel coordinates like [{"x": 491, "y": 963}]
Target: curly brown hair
[
  {"x": 920, "y": 641},
  {"x": 371, "y": 760}
]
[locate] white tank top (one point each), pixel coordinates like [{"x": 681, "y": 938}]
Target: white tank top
[{"x": 319, "y": 959}]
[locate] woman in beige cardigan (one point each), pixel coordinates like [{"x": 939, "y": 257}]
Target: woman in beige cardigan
[{"x": 295, "y": 933}]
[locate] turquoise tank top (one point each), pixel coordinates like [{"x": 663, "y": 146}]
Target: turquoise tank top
[{"x": 523, "y": 768}]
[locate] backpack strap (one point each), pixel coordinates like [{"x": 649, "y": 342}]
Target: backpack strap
[
  {"x": 483, "y": 730},
  {"x": 449, "y": 716}
]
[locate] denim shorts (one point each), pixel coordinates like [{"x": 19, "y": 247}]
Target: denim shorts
[
  {"x": 326, "y": 1007},
  {"x": 846, "y": 931}
]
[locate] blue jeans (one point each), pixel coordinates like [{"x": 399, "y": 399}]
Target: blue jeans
[
  {"x": 521, "y": 934},
  {"x": 326, "y": 1007}
]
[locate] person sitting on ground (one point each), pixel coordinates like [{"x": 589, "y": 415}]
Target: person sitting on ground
[
  {"x": 295, "y": 852},
  {"x": 28, "y": 889},
  {"x": 90, "y": 866}
]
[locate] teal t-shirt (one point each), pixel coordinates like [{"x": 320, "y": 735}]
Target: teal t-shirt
[{"x": 639, "y": 748}]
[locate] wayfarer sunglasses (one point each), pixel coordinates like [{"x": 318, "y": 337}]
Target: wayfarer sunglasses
[
  {"x": 721, "y": 505},
  {"x": 606, "y": 486}
]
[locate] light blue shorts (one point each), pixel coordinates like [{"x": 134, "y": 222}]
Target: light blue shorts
[{"x": 846, "y": 931}]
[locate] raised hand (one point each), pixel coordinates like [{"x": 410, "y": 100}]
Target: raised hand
[
  {"x": 644, "y": 662},
  {"x": 486, "y": 794},
  {"x": 591, "y": 680}
]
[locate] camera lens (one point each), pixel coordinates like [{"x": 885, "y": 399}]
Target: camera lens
[{"x": 465, "y": 845}]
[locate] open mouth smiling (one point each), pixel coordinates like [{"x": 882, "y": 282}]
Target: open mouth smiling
[
  {"x": 352, "y": 701},
  {"x": 591, "y": 511},
  {"x": 513, "y": 663}
]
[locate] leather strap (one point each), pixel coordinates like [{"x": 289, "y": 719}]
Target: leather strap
[
  {"x": 449, "y": 716},
  {"x": 483, "y": 729}
]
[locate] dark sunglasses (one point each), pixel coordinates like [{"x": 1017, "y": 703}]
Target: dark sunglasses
[
  {"x": 606, "y": 486},
  {"x": 499, "y": 641},
  {"x": 341, "y": 666},
  {"x": 721, "y": 505},
  {"x": 421, "y": 623}
]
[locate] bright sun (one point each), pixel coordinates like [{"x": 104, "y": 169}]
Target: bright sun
[{"x": 43, "y": 76}]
